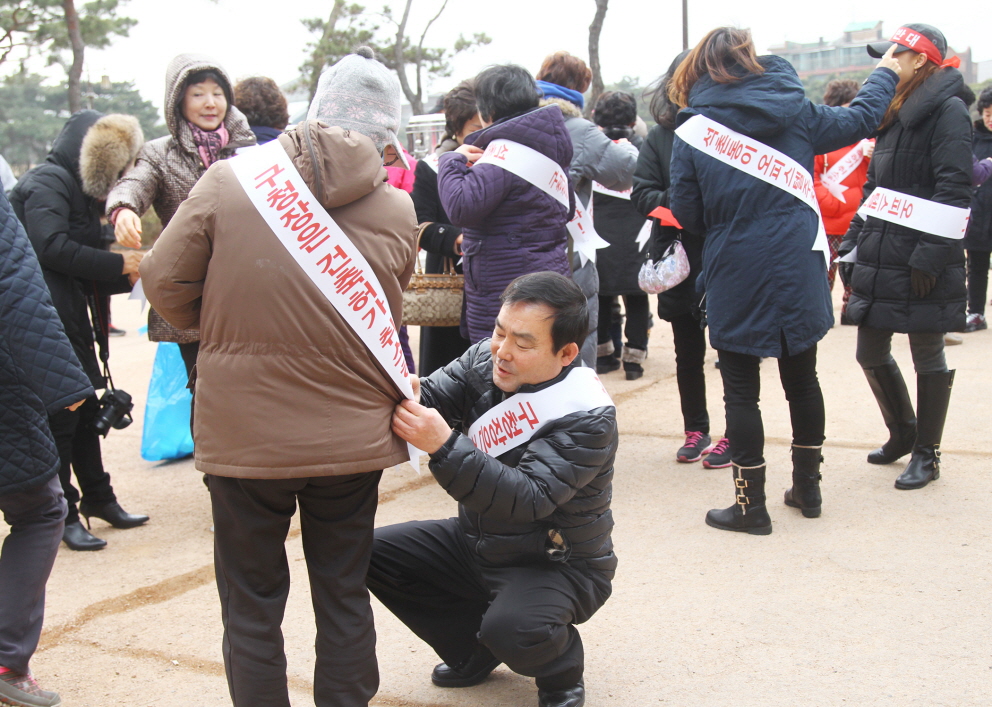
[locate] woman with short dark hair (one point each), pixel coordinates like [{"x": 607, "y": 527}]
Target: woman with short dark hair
[
  {"x": 204, "y": 126},
  {"x": 741, "y": 176},
  {"x": 618, "y": 222},
  {"x": 264, "y": 106},
  {"x": 440, "y": 239},
  {"x": 510, "y": 226}
]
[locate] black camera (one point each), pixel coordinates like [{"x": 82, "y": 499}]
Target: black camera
[{"x": 115, "y": 411}]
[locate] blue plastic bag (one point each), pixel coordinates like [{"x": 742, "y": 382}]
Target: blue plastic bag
[{"x": 166, "y": 434}]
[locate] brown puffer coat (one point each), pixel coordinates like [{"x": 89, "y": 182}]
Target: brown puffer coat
[{"x": 284, "y": 387}]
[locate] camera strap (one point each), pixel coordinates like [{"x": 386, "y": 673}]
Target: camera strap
[{"x": 100, "y": 314}]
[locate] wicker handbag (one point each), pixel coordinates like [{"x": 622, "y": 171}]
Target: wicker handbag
[{"x": 434, "y": 300}]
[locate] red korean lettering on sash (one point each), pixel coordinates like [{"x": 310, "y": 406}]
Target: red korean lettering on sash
[{"x": 267, "y": 178}]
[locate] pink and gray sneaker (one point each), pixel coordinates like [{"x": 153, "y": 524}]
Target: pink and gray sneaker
[
  {"x": 696, "y": 445},
  {"x": 719, "y": 455},
  {"x": 22, "y": 690}
]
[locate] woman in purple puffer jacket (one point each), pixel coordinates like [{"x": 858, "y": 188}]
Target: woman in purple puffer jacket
[{"x": 510, "y": 226}]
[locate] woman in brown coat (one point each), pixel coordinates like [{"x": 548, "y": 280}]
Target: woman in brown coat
[{"x": 204, "y": 126}]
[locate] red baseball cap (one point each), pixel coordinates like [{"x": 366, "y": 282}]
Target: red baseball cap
[{"x": 920, "y": 38}]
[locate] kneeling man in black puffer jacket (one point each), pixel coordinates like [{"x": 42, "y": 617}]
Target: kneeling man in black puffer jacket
[{"x": 530, "y": 554}]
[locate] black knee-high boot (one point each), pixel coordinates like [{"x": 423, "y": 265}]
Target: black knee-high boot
[
  {"x": 893, "y": 399},
  {"x": 933, "y": 395},
  {"x": 805, "y": 491},
  {"x": 748, "y": 514}
]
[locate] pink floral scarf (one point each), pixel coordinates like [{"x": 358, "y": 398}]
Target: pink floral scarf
[{"x": 209, "y": 144}]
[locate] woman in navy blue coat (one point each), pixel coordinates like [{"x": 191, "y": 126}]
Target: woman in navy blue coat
[{"x": 766, "y": 288}]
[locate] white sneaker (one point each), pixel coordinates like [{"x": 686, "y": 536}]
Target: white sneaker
[{"x": 952, "y": 339}]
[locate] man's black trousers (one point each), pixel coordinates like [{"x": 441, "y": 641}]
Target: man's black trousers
[
  {"x": 427, "y": 573},
  {"x": 251, "y": 521}
]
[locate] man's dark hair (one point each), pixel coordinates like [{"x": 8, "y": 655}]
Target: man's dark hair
[
  {"x": 262, "y": 102},
  {"x": 616, "y": 113},
  {"x": 985, "y": 99},
  {"x": 505, "y": 91},
  {"x": 571, "y": 318}
]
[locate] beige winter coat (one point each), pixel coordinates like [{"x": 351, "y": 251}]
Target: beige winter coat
[{"x": 284, "y": 387}]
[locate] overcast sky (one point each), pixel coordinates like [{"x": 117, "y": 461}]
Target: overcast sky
[{"x": 640, "y": 37}]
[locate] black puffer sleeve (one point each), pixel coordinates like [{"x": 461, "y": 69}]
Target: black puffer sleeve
[
  {"x": 561, "y": 460},
  {"x": 46, "y": 219},
  {"x": 950, "y": 151}
]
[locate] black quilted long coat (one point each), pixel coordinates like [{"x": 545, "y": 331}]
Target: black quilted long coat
[
  {"x": 39, "y": 373},
  {"x": 926, "y": 153}
]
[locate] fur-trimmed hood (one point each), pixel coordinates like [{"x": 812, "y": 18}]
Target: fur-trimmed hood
[
  {"x": 109, "y": 149},
  {"x": 568, "y": 109}
]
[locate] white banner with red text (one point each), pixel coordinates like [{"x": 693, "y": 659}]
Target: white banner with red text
[
  {"x": 517, "y": 419},
  {"x": 917, "y": 213},
  {"x": 758, "y": 160},
  {"x": 324, "y": 253},
  {"x": 548, "y": 176},
  {"x": 833, "y": 178}
]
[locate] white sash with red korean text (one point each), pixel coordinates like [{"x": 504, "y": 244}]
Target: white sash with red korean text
[
  {"x": 432, "y": 160},
  {"x": 548, "y": 176},
  {"x": 917, "y": 213},
  {"x": 516, "y": 420},
  {"x": 832, "y": 179},
  {"x": 325, "y": 254},
  {"x": 758, "y": 160}
]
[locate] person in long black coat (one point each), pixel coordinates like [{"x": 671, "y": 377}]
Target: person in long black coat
[
  {"x": 766, "y": 285},
  {"x": 60, "y": 203},
  {"x": 618, "y": 222},
  {"x": 906, "y": 280},
  {"x": 978, "y": 241},
  {"x": 39, "y": 375},
  {"x": 680, "y": 305},
  {"x": 441, "y": 240}
]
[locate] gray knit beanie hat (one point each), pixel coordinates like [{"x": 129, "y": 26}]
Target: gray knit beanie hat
[{"x": 361, "y": 94}]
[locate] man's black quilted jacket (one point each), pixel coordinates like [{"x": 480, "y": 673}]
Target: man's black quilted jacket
[
  {"x": 560, "y": 480},
  {"x": 39, "y": 372}
]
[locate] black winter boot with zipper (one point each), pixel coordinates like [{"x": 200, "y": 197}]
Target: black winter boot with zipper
[
  {"x": 890, "y": 391},
  {"x": 805, "y": 491},
  {"x": 933, "y": 396},
  {"x": 748, "y": 514}
]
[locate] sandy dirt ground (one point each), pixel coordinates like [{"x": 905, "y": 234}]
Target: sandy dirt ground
[{"x": 884, "y": 600}]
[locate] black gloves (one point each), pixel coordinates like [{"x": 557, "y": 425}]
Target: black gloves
[
  {"x": 846, "y": 271},
  {"x": 922, "y": 282}
]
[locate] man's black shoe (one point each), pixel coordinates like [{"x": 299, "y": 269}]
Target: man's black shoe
[
  {"x": 574, "y": 696},
  {"x": 471, "y": 672}
]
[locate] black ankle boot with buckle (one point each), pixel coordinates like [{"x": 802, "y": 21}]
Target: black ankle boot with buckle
[
  {"x": 748, "y": 514},
  {"x": 805, "y": 491}
]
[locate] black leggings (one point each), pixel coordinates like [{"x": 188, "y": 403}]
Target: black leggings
[
  {"x": 690, "y": 350},
  {"x": 978, "y": 280},
  {"x": 742, "y": 389}
]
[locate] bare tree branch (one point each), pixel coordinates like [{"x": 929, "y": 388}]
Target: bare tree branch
[
  {"x": 76, "y": 42},
  {"x": 595, "y": 29}
]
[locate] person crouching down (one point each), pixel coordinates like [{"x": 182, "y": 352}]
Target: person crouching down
[{"x": 530, "y": 554}]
